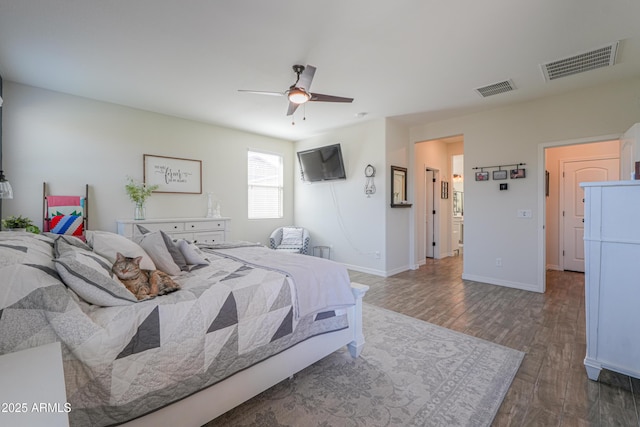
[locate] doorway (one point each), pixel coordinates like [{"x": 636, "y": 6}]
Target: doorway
[
  {"x": 430, "y": 213},
  {"x": 565, "y": 166}
]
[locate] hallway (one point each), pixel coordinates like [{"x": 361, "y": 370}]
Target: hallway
[{"x": 551, "y": 387}]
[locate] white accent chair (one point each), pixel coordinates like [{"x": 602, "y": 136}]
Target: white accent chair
[{"x": 290, "y": 239}]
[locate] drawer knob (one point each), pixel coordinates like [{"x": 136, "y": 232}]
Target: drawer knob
[
  {"x": 175, "y": 226},
  {"x": 193, "y": 226}
]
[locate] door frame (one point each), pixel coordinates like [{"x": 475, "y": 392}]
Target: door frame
[{"x": 542, "y": 202}]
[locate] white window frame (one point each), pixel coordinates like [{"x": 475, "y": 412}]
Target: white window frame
[{"x": 275, "y": 187}]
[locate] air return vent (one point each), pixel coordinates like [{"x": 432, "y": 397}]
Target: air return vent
[
  {"x": 602, "y": 57},
  {"x": 496, "y": 88}
]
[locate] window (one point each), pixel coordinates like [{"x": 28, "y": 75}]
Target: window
[{"x": 265, "y": 180}]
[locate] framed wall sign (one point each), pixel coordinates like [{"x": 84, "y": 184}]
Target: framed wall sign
[{"x": 173, "y": 174}]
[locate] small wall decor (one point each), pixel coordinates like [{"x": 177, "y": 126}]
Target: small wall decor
[
  {"x": 499, "y": 174},
  {"x": 482, "y": 176},
  {"x": 504, "y": 186},
  {"x": 173, "y": 174},
  {"x": 546, "y": 183},
  {"x": 444, "y": 190},
  {"x": 369, "y": 186},
  {"x": 518, "y": 173}
]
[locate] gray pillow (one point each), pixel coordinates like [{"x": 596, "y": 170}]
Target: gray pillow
[
  {"x": 90, "y": 276},
  {"x": 155, "y": 245},
  {"x": 172, "y": 247}
]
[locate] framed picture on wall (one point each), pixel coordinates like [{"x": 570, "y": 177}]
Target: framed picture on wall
[
  {"x": 500, "y": 174},
  {"x": 444, "y": 190},
  {"x": 482, "y": 176},
  {"x": 518, "y": 173}
]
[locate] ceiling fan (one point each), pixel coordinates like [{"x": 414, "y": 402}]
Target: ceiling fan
[{"x": 298, "y": 93}]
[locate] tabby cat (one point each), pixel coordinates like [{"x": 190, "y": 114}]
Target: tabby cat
[{"x": 142, "y": 283}]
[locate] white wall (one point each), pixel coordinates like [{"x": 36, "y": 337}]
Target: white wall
[
  {"x": 338, "y": 213},
  {"x": 69, "y": 141},
  {"x": 511, "y": 135}
]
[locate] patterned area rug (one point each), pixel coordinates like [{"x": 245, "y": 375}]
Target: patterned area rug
[{"x": 410, "y": 373}]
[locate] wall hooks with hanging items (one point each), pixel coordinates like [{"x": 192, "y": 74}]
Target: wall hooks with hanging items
[
  {"x": 500, "y": 174},
  {"x": 369, "y": 186}
]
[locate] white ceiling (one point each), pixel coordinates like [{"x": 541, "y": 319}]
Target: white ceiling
[{"x": 418, "y": 60}]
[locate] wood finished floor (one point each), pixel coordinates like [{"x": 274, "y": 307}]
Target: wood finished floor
[{"x": 551, "y": 387}]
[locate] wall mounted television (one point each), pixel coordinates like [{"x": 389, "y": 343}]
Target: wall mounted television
[{"x": 322, "y": 164}]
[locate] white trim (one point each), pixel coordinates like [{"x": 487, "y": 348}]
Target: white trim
[{"x": 493, "y": 281}]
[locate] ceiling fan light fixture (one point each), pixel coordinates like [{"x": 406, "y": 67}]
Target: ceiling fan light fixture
[{"x": 298, "y": 96}]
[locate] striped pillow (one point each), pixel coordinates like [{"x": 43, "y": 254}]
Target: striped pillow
[{"x": 67, "y": 224}]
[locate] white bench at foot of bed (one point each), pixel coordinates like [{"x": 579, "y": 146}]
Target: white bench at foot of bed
[{"x": 207, "y": 404}]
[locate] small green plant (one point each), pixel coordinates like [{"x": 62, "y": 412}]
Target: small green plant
[
  {"x": 19, "y": 221},
  {"x": 139, "y": 193}
]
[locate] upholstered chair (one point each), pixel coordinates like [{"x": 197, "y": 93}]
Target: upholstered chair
[{"x": 290, "y": 239}]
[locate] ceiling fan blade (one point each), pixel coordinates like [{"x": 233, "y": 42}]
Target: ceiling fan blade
[
  {"x": 262, "y": 92},
  {"x": 306, "y": 77},
  {"x": 318, "y": 97},
  {"x": 292, "y": 108}
]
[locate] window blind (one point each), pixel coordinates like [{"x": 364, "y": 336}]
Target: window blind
[{"x": 265, "y": 178}]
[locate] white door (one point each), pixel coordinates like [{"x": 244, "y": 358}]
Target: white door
[
  {"x": 429, "y": 213},
  {"x": 573, "y": 200}
]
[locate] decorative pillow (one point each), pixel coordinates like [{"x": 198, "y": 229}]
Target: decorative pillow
[
  {"x": 155, "y": 244},
  {"x": 172, "y": 247},
  {"x": 192, "y": 254},
  {"x": 291, "y": 236},
  {"x": 67, "y": 224},
  {"x": 90, "y": 276},
  {"x": 108, "y": 244}
]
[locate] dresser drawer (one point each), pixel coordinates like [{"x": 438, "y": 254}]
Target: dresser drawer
[
  {"x": 204, "y": 225},
  {"x": 212, "y": 237},
  {"x": 168, "y": 227}
]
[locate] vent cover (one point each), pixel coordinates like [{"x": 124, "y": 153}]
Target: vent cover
[
  {"x": 496, "y": 88},
  {"x": 602, "y": 57}
]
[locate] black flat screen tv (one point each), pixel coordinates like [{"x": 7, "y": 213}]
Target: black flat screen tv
[{"x": 322, "y": 164}]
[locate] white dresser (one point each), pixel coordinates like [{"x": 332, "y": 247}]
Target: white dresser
[
  {"x": 201, "y": 230},
  {"x": 612, "y": 277}
]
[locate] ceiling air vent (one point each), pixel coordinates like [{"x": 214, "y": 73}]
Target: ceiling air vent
[
  {"x": 496, "y": 88},
  {"x": 602, "y": 57}
]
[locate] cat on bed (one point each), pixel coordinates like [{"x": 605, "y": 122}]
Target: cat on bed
[{"x": 142, "y": 283}]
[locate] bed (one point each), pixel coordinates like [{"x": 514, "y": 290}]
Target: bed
[{"x": 243, "y": 321}]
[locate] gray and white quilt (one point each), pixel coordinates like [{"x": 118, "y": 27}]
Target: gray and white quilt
[{"x": 124, "y": 361}]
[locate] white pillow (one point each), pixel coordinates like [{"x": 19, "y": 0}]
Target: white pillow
[
  {"x": 108, "y": 244},
  {"x": 155, "y": 245},
  {"x": 291, "y": 236},
  {"x": 90, "y": 276},
  {"x": 192, "y": 254}
]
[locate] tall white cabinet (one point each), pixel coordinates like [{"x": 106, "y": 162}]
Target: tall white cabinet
[{"x": 612, "y": 277}]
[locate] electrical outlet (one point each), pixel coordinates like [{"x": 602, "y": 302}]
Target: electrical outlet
[{"x": 498, "y": 262}]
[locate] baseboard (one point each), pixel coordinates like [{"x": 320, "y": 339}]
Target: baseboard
[
  {"x": 375, "y": 272},
  {"x": 554, "y": 267},
  {"x": 494, "y": 281}
]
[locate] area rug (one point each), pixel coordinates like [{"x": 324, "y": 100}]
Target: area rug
[{"x": 410, "y": 373}]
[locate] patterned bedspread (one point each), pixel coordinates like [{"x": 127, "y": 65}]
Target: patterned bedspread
[{"x": 123, "y": 362}]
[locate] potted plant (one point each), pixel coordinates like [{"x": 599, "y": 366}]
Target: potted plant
[
  {"x": 139, "y": 193},
  {"x": 19, "y": 223}
]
